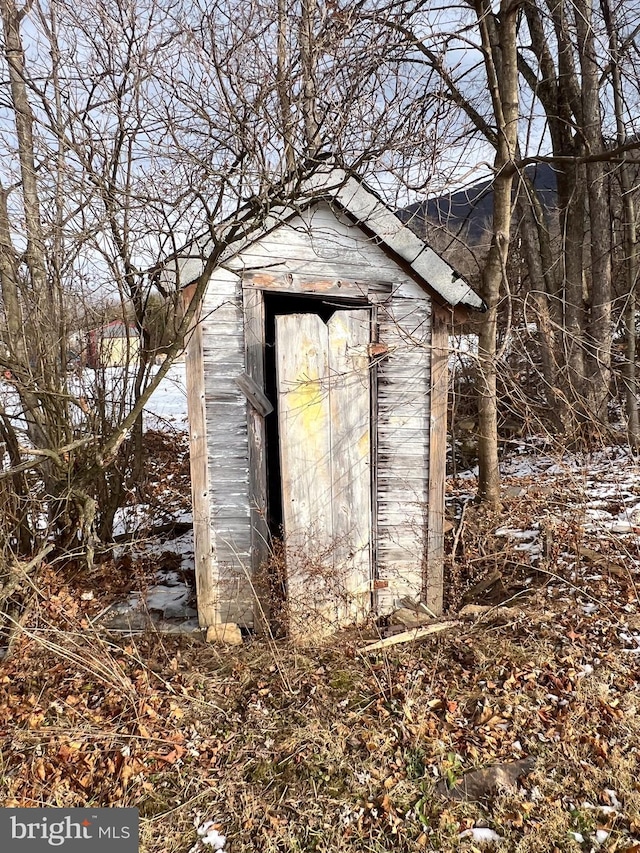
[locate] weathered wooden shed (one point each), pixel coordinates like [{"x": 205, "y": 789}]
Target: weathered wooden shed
[
  {"x": 116, "y": 344},
  {"x": 317, "y": 395}
]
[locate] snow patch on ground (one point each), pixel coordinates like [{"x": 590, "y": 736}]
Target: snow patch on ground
[
  {"x": 168, "y": 403},
  {"x": 166, "y": 407},
  {"x": 609, "y": 480}
]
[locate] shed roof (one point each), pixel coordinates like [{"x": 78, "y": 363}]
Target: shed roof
[
  {"x": 115, "y": 329},
  {"x": 350, "y": 194}
]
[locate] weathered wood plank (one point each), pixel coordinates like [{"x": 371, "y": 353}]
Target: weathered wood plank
[
  {"x": 437, "y": 463},
  {"x": 254, "y": 342},
  {"x": 341, "y": 288},
  {"x": 254, "y": 394},
  {"x": 349, "y": 334},
  {"x": 305, "y": 460},
  {"x": 414, "y": 635},
  {"x": 205, "y": 558}
]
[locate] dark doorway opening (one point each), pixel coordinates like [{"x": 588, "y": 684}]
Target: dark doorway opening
[{"x": 279, "y": 304}]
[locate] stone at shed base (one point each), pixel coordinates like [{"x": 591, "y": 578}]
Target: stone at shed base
[
  {"x": 409, "y": 618},
  {"x": 224, "y": 632}
]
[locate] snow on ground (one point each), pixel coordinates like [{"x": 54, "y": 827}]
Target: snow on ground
[
  {"x": 166, "y": 603},
  {"x": 168, "y": 404},
  {"x": 574, "y": 519},
  {"x": 608, "y": 479}
]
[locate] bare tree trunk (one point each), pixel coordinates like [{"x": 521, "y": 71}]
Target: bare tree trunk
[
  {"x": 42, "y": 434},
  {"x": 309, "y": 83},
  {"x": 500, "y": 58},
  {"x": 629, "y": 240},
  {"x": 534, "y": 236},
  {"x": 571, "y": 196},
  {"x": 283, "y": 87},
  {"x": 598, "y": 336},
  {"x": 35, "y": 249},
  {"x": 559, "y": 94}
]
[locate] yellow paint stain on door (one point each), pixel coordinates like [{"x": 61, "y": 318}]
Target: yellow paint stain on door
[{"x": 323, "y": 405}]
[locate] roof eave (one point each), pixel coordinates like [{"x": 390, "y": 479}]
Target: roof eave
[{"x": 370, "y": 212}]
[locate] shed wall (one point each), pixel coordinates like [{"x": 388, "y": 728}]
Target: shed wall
[
  {"x": 227, "y": 446},
  {"x": 403, "y": 447}
]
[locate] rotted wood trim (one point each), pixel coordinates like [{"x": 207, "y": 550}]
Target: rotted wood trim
[
  {"x": 298, "y": 283},
  {"x": 206, "y": 566},
  {"x": 437, "y": 461},
  {"x": 254, "y": 394},
  {"x": 254, "y": 342}
]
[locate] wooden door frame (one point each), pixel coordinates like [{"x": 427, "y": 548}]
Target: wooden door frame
[
  {"x": 254, "y": 312},
  {"x": 254, "y": 344}
]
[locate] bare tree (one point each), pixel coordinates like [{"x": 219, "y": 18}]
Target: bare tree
[
  {"x": 629, "y": 227},
  {"x": 568, "y": 73},
  {"x": 498, "y": 38},
  {"x": 141, "y": 124}
]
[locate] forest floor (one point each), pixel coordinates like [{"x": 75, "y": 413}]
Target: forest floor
[{"x": 518, "y": 728}]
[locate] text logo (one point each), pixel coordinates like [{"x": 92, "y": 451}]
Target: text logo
[{"x": 37, "y": 830}]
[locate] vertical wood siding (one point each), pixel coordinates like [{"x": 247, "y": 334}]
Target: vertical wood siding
[
  {"x": 318, "y": 251},
  {"x": 403, "y": 448},
  {"x": 228, "y": 447}
]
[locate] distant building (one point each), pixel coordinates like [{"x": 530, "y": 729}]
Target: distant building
[{"x": 117, "y": 344}]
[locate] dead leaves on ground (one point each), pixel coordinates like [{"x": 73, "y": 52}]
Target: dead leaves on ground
[
  {"x": 277, "y": 744},
  {"x": 328, "y": 750}
]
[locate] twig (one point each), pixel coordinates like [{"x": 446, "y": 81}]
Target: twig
[
  {"x": 459, "y": 529},
  {"x": 42, "y": 456},
  {"x": 17, "y": 626},
  {"x": 19, "y": 572}
]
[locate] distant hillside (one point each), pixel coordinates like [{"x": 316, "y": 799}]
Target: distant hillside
[{"x": 469, "y": 211}]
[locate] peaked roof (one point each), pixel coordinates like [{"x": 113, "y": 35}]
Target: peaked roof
[
  {"x": 366, "y": 209},
  {"x": 115, "y": 329}
]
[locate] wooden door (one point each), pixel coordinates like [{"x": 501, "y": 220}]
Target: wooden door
[{"x": 325, "y": 449}]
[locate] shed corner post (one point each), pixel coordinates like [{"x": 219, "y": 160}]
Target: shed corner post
[
  {"x": 434, "y": 571},
  {"x": 207, "y": 598},
  {"x": 205, "y": 563}
]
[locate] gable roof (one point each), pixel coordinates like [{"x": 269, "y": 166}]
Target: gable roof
[
  {"x": 116, "y": 329},
  {"x": 366, "y": 210}
]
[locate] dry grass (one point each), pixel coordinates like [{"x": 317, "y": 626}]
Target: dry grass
[
  {"x": 318, "y": 749},
  {"x": 322, "y": 749}
]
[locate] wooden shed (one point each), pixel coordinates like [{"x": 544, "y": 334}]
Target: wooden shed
[
  {"x": 116, "y": 344},
  {"x": 317, "y": 395}
]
